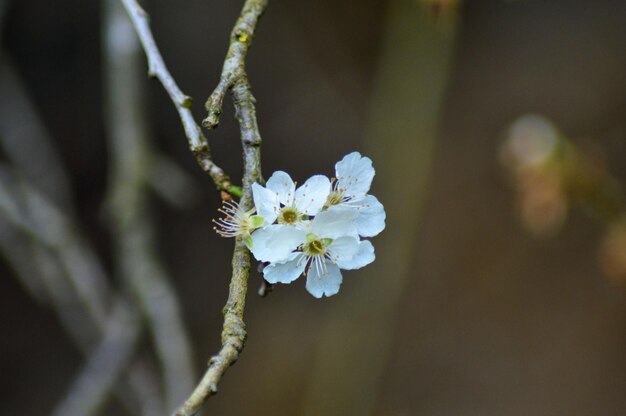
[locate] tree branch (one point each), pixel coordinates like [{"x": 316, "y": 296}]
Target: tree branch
[
  {"x": 233, "y": 71},
  {"x": 156, "y": 68},
  {"x": 67, "y": 267},
  {"x": 234, "y": 78},
  {"x": 130, "y": 152},
  {"x": 104, "y": 366}
]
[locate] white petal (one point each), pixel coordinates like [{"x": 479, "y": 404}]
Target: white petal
[
  {"x": 303, "y": 225},
  {"x": 285, "y": 272},
  {"x": 336, "y": 221},
  {"x": 344, "y": 248},
  {"x": 281, "y": 184},
  {"x": 275, "y": 243},
  {"x": 371, "y": 219},
  {"x": 364, "y": 256},
  {"x": 354, "y": 175},
  {"x": 312, "y": 195},
  {"x": 324, "y": 284},
  {"x": 265, "y": 202}
]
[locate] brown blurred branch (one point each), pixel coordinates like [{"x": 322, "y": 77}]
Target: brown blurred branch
[
  {"x": 156, "y": 68},
  {"x": 552, "y": 174},
  {"x": 234, "y": 332}
]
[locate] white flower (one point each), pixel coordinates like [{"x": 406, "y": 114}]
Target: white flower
[
  {"x": 236, "y": 222},
  {"x": 280, "y": 200},
  {"x": 354, "y": 178},
  {"x": 314, "y": 229},
  {"x": 328, "y": 245}
]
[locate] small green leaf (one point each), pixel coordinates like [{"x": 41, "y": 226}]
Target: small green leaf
[
  {"x": 248, "y": 242},
  {"x": 256, "y": 221}
]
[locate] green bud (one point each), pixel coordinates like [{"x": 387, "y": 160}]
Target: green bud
[{"x": 235, "y": 190}]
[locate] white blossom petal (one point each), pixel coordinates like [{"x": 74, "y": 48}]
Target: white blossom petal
[
  {"x": 343, "y": 248},
  {"x": 325, "y": 284},
  {"x": 371, "y": 218},
  {"x": 266, "y": 203},
  {"x": 363, "y": 256},
  {"x": 281, "y": 184},
  {"x": 336, "y": 221},
  {"x": 275, "y": 243},
  {"x": 354, "y": 175},
  {"x": 285, "y": 272},
  {"x": 312, "y": 195}
]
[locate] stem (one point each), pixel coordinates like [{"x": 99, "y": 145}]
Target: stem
[
  {"x": 156, "y": 68},
  {"x": 234, "y": 78},
  {"x": 233, "y": 70},
  {"x": 137, "y": 260},
  {"x": 74, "y": 282}
]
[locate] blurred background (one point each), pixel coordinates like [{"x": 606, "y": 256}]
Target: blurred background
[{"x": 499, "y": 282}]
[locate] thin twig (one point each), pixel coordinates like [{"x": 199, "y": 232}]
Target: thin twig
[
  {"x": 25, "y": 140},
  {"x": 38, "y": 208},
  {"x": 235, "y": 79},
  {"x": 63, "y": 260},
  {"x": 233, "y": 71},
  {"x": 156, "y": 68},
  {"x": 130, "y": 153},
  {"x": 40, "y": 272},
  {"x": 104, "y": 366},
  {"x": 170, "y": 182},
  {"x": 37, "y": 216}
]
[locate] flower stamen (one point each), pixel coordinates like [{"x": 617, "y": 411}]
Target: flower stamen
[
  {"x": 315, "y": 252},
  {"x": 236, "y": 222},
  {"x": 336, "y": 195}
]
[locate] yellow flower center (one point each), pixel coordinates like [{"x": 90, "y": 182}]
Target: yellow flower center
[
  {"x": 315, "y": 248},
  {"x": 288, "y": 215}
]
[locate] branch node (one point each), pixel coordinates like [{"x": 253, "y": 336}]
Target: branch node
[
  {"x": 182, "y": 102},
  {"x": 212, "y": 121},
  {"x": 242, "y": 36},
  {"x": 186, "y": 101}
]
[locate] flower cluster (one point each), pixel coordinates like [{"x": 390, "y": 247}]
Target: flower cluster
[{"x": 314, "y": 229}]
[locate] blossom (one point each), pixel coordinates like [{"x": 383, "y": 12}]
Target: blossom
[
  {"x": 315, "y": 229},
  {"x": 237, "y": 223},
  {"x": 354, "y": 175},
  {"x": 280, "y": 201},
  {"x": 329, "y": 244},
  {"x": 291, "y": 208}
]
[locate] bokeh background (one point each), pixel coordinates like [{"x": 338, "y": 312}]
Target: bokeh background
[{"x": 465, "y": 311}]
